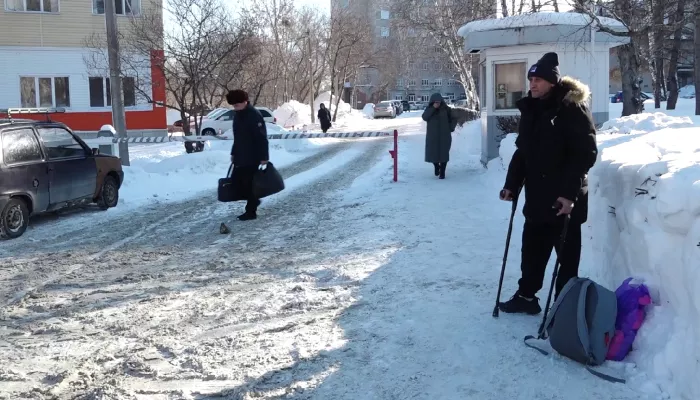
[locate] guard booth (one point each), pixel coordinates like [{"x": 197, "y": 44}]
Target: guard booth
[{"x": 507, "y": 47}]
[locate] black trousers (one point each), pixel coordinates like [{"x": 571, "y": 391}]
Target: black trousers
[
  {"x": 245, "y": 176},
  {"x": 538, "y": 241}
]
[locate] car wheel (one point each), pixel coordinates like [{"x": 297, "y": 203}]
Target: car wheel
[
  {"x": 14, "y": 219},
  {"x": 208, "y": 132},
  {"x": 109, "y": 195}
]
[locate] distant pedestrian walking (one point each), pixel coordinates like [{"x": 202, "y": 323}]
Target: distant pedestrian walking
[
  {"x": 324, "y": 118},
  {"x": 438, "y": 135}
]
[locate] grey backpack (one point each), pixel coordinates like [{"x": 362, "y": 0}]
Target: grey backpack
[{"x": 581, "y": 324}]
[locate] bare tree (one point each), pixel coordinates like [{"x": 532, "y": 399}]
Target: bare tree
[
  {"x": 678, "y": 20},
  {"x": 349, "y": 46},
  {"x": 632, "y": 15},
  {"x": 204, "y": 50},
  {"x": 440, "y": 20},
  {"x": 696, "y": 50}
]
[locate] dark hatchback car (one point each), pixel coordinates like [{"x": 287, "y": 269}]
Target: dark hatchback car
[{"x": 45, "y": 167}]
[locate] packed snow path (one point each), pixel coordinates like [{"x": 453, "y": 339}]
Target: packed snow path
[{"x": 347, "y": 287}]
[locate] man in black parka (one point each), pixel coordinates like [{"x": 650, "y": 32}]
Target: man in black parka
[
  {"x": 250, "y": 148},
  {"x": 556, "y": 146}
]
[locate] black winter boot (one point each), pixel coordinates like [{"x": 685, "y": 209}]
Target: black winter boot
[
  {"x": 443, "y": 166},
  {"x": 521, "y": 305},
  {"x": 437, "y": 168},
  {"x": 247, "y": 216}
]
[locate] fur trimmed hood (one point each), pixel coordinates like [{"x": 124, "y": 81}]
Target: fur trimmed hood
[{"x": 576, "y": 91}]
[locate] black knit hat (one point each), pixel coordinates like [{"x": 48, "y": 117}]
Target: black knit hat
[
  {"x": 236, "y": 97},
  {"x": 546, "y": 68}
]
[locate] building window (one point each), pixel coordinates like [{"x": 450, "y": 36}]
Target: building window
[
  {"x": 438, "y": 66},
  {"x": 509, "y": 84},
  {"x": 398, "y": 97},
  {"x": 425, "y": 82},
  {"x": 399, "y": 82},
  {"x": 121, "y": 7},
  {"x": 411, "y": 97},
  {"x": 384, "y": 14},
  {"x": 438, "y": 82},
  {"x": 46, "y": 6},
  {"x": 384, "y": 31},
  {"x": 425, "y": 66},
  {"x": 450, "y": 96},
  {"x": 101, "y": 95},
  {"x": 20, "y": 147},
  {"x": 44, "y": 92},
  {"x": 425, "y": 97},
  {"x": 411, "y": 82}
]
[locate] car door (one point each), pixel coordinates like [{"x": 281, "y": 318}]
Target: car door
[
  {"x": 24, "y": 170},
  {"x": 72, "y": 167},
  {"x": 224, "y": 121}
]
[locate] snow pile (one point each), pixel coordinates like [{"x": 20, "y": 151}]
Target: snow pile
[
  {"x": 687, "y": 92},
  {"x": 646, "y": 122},
  {"x": 645, "y": 213},
  {"x": 368, "y": 110},
  {"x": 294, "y": 114},
  {"x": 165, "y": 173}
]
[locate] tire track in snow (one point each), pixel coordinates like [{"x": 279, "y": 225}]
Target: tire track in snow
[
  {"x": 86, "y": 245},
  {"x": 301, "y": 214}
]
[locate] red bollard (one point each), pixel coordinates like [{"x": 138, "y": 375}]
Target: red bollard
[{"x": 395, "y": 155}]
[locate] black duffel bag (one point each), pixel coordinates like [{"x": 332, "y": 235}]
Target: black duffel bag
[
  {"x": 229, "y": 188},
  {"x": 267, "y": 181}
]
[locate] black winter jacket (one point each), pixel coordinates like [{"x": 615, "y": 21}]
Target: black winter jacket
[
  {"x": 250, "y": 145},
  {"x": 556, "y": 146}
]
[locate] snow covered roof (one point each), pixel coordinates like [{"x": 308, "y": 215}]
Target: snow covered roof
[{"x": 537, "y": 19}]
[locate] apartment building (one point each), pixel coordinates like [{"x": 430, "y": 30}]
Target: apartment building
[
  {"x": 45, "y": 62},
  {"x": 427, "y": 71}
]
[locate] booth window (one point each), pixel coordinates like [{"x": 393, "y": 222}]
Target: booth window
[{"x": 510, "y": 84}]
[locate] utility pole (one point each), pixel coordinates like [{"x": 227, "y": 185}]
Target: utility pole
[
  {"x": 311, "y": 77},
  {"x": 115, "y": 81}
]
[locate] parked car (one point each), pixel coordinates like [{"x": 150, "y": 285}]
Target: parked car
[
  {"x": 385, "y": 109},
  {"x": 45, "y": 167}
]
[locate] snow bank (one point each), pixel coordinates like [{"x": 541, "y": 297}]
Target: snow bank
[
  {"x": 537, "y": 19},
  {"x": 368, "y": 110},
  {"x": 687, "y": 92},
  {"x": 165, "y": 173},
  {"x": 298, "y": 115},
  {"x": 647, "y": 122},
  {"x": 645, "y": 213}
]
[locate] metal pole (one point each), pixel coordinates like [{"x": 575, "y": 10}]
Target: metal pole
[
  {"x": 115, "y": 80},
  {"x": 311, "y": 78}
]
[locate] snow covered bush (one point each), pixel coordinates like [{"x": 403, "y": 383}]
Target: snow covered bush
[
  {"x": 508, "y": 124},
  {"x": 645, "y": 223}
]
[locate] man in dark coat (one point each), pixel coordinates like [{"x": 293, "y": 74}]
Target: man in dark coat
[
  {"x": 438, "y": 135},
  {"x": 556, "y": 146},
  {"x": 250, "y": 148},
  {"x": 324, "y": 118}
]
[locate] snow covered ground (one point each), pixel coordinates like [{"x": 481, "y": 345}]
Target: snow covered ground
[{"x": 349, "y": 286}]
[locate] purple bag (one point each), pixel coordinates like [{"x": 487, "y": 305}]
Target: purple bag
[{"x": 631, "y": 300}]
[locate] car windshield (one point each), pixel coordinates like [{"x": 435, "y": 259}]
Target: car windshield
[{"x": 215, "y": 113}]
